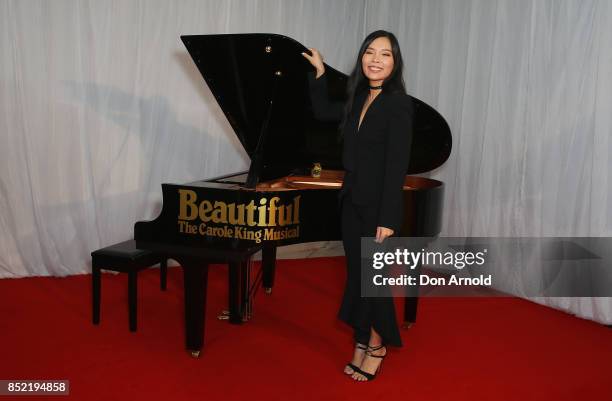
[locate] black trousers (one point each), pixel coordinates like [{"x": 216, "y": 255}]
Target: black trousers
[{"x": 360, "y": 312}]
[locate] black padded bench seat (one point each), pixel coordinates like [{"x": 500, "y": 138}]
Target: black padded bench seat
[{"x": 124, "y": 257}]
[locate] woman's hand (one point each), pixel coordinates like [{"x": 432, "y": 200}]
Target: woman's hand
[
  {"x": 316, "y": 60},
  {"x": 382, "y": 233}
]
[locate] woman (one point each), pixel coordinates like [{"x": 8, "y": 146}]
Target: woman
[{"x": 376, "y": 129}]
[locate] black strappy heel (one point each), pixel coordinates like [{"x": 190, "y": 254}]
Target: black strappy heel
[
  {"x": 371, "y": 376},
  {"x": 350, "y": 364}
]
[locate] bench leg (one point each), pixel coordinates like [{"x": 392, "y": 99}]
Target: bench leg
[
  {"x": 95, "y": 293},
  {"x": 163, "y": 274},
  {"x": 132, "y": 298}
]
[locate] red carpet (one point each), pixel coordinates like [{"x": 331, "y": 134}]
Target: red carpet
[{"x": 294, "y": 348}]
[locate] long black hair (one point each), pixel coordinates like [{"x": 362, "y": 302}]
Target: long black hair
[{"x": 358, "y": 82}]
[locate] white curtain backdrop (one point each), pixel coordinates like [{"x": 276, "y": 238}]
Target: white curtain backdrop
[
  {"x": 100, "y": 103},
  {"x": 527, "y": 89}
]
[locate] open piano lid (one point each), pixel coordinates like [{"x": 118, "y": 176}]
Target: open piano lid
[{"x": 260, "y": 81}]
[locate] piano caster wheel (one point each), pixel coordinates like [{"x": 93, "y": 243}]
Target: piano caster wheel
[
  {"x": 225, "y": 315},
  {"x": 268, "y": 290},
  {"x": 407, "y": 325},
  {"x": 195, "y": 354}
]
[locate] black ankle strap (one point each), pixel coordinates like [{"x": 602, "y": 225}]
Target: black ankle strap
[{"x": 372, "y": 349}]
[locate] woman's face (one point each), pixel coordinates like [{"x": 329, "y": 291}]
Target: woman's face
[{"x": 377, "y": 61}]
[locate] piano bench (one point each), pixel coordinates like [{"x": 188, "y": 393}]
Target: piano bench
[{"x": 124, "y": 257}]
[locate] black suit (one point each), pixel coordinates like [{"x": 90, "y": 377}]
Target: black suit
[{"x": 375, "y": 158}]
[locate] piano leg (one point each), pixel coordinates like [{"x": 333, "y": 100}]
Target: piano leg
[
  {"x": 411, "y": 301},
  {"x": 195, "y": 280},
  {"x": 236, "y": 271},
  {"x": 268, "y": 264},
  {"x": 246, "y": 301},
  {"x": 410, "y": 311}
]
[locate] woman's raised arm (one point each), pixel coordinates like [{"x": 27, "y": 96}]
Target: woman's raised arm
[{"x": 323, "y": 107}]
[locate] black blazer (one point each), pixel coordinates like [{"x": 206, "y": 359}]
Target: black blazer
[{"x": 376, "y": 156}]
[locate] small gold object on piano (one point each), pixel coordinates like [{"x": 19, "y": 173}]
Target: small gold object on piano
[{"x": 316, "y": 170}]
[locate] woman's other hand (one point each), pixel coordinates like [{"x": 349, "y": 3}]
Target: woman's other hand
[
  {"x": 316, "y": 60},
  {"x": 382, "y": 233}
]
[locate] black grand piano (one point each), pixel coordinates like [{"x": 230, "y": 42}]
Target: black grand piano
[{"x": 261, "y": 83}]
